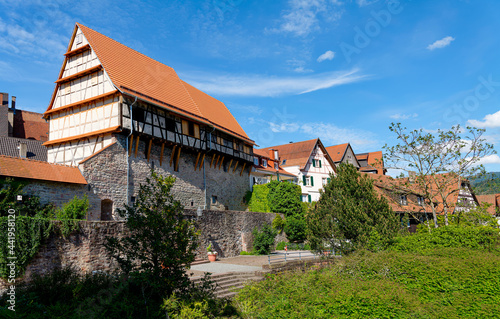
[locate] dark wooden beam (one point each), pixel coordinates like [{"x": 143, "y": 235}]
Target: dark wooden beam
[
  {"x": 149, "y": 149},
  {"x": 243, "y": 168},
  {"x": 177, "y": 159},
  {"x": 197, "y": 159},
  {"x": 202, "y": 160},
  {"x": 173, "y": 154},
  {"x": 136, "y": 145},
  {"x": 161, "y": 154}
]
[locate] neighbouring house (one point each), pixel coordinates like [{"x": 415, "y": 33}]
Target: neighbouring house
[
  {"x": 54, "y": 183},
  {"x": 343, "y": 153},
  {"x": 372, "y": 162},
  {"x": 406, "y": 197},
  {"x": 493, "y": 200},
  {"x": 22, "y": 133},
  {"x": 266, "y": 167},
  {"x": 310, "y": 162},
  {"x": 116, "y": 114}
]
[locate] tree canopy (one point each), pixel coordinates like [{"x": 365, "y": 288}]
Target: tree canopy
[
  {"x": 438, "y": 163},
  {"x": 349, "y": 213}
]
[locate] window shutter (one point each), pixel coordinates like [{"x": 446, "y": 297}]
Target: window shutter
[
  {"x": 314, "y": 163},
  {"x": 304, "y": 180},
  {"x": 309, "y": 198},
  {"x": 319, "y": 163},
  {"x": 185, "y": 127},
  {"x": 312, "y": 181}
]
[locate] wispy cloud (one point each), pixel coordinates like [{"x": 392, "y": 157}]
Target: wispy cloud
[
  {"x": 259, "y": 85},
  {"x": 330, "y": 134},
  {"x": 400, "y": 116},
  {"x": 364, "y": 3},
  {"x": 302, "y": 17},
  {"x": 444, "y": 42},
  {"x": 490, "y": 159},
  {"x": 328, "y": 55},
  {"x": 298, "y": 66},
  {"x": 490, "y": 120}
]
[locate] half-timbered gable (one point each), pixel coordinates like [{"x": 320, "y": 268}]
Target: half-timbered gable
[
  {"x": 109, "y": 98},
  {"x": 310, "y": 162},
  {"x": 343, "y": 153}
]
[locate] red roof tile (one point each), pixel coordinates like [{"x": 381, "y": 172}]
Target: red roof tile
[
  {"x": 295, "y": 154},
  {"x": 30, "y": 169},
  {"x": 337, "y": 152},
  {"x": 139, "y": 75},
  {"x": 30, "y": 125},
  {"x": 493, "y": 199}
]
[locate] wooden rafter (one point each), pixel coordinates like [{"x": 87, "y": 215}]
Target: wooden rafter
[
  {"x": 197, "y": 159},
  {"x": 230, "y": 163},
  {"x": 221, "y": 161},
  {"x": 202, "y": 160},
  {"x": 235, "y": 166},
  {"x": 130, "y": 145},
  {"x": 172, "y": 155},
  {"x": 212, "y": 161},
  {"x": 177, "y": 159},
  {"x": 243, "y": 168},
  {"x": 161, "y": 153},
  {"x": 136, "y": 146},
  {"x": 149, "y": 149}
]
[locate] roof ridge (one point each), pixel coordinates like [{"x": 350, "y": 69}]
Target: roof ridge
[
  {"x": 150, "y": 58},
  {"x": 38, "y": 161}
]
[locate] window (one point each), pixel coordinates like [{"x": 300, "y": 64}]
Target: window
[
  {"x": 214, "y": 199},
  {"x": 284, "y": 162},
  {"x": 309, "y": 199},
  {"x": 420, "y": 200},
  {"x": 276, "y": 157},
  {"x": 316, "y": 163},
  {"x": 255, "y": 161},
  {"x": 304, "y": 197},
  {"x": 190, "y": 128},
  {"x": 324, "y": 181},
  {"x": 170, "y": 124},
  {"x": 264, "y": 163},
  {"x": 403, "y": 200},
  {"x": 308, "y": 180},
  {"x": 276, "y": 166}
]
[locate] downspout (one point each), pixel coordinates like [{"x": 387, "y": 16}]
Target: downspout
[{"x": 126, "y": 151}]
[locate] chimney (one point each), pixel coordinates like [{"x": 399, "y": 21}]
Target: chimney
[
  {"x": 4, "y": 114},
  {"x": 13, "y": 104},
  {"x": 23, "y": 150},
  {"x": 271, "y": 155},
  {"x": 411, "y": 176}
]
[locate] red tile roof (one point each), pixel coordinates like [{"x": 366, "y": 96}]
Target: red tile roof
[
  {"x": 30, "y": 125},
  {"x": 139, "y": 75},
  {"x": 261, "y": 153},
  {"x": 493, "y": 199},
  {"x": 337, "y": 152},
  {"x": 375, "y": 162},
  {"x": 38, "y": 170},
  {"x": 295, "y": 154}
]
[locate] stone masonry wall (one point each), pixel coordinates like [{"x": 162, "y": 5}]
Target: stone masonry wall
[
  {"x": 230, "y": 232},
  {"x": 106, "y": 173},
  {"x": 61, "y": 193}
]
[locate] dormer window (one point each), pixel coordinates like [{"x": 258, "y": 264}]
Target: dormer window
[
  {"x": 276, "y": 166},
  {"x": 256, "y": 161},
  {"x": 264, "y": 163},
  {"x": 420, "y": 200},
  {"x": 403, "y": 200}
]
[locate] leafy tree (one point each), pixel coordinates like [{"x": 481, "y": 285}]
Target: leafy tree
[
  {"x": 263, "y": 239},
  {"x": 349, "y": 213},
  {"x": 440, "y": 162},
  {"x": 284, "y": 198},
  {"x": 295, "y": 229},
  {"x": 160, "y": 243}
]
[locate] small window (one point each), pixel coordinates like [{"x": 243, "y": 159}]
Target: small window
[
  {"x": 284, "y": 162},
  {"x": 324, "y": 181},
  {"x": 304, "y": 198},
  {"x": 314, "y": 163},
  {"x": 420, "y": 200},
  {"x": 79, "y": 38},
  {"x": 170, "y": 124},
  {"x": 138, "y": 114},
  {"x": 276, "y": 165},
  {"x": 264, "y": 163},
  {"x": 255, "y": 161},
  {"x": 214, "y": 199},
  {"x": 403, "y": 200},
  {"x": 190, "y": 128}
]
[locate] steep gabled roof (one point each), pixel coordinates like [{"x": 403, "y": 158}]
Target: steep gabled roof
[
  {"x": 140, "y": 76},
  {"x": 298, "y": 154},
  {"x": 337, "y": 152},
  {"x": 375, "y": 162},
  {"x": 39, "y": 170}
]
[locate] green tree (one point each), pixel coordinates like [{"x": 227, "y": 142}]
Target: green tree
[
  {"x": 160, "y": 242},
  {"x": 259, "y": 201},
  {"x": 263, "y": 239},
  {"x": 439, "y": 161},
  {"x": 284, "y": 198},
  {"x": 349, "y": 213}
]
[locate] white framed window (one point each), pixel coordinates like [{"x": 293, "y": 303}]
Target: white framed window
[
  {"x": 276, "y": 165},
  {"x": 403, "y": 200},
  {"x": 304, "y": 198},
  {"x": 308, "y": 180},
  {"x": 264, "y": 162},
  {"x": 420, "y": 200}
]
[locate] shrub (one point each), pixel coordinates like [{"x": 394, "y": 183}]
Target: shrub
[
  {"x": 259, "y": 199},
  {"x": 284, "y": 198},
  {"x": 74, "y": 209},
  {"x": 295, "y": 229},
  {"x": 278, "y": 223},
  {"x": 263, "y": 239}
]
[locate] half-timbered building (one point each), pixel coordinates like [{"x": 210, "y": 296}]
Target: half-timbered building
[{"x": 117, "y": 114}]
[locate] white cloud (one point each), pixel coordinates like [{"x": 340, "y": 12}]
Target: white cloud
[
  {"x": 490, "y": 159},
  {"x": 490, "y": 120},
  {"x": 328, "y": 55},
  {"x": 329, "y": 134},
  {"x": 302, "y": 17},
  {"x": 400, "y": 116},
  {"x": 364, "y": 3},
  {"x": 298, "y": 66},
  {"x": 440, "y": 43},
  {"x": 259, "y": 85}
]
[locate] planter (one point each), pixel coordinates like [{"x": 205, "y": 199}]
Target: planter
[{"x": 212, "y": 257}]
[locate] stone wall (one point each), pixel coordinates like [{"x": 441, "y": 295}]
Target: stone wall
[
  {"x": 228, "y": 231},
  {"x": 61, "y": 193},
  {"x": 211, "y": 188}
]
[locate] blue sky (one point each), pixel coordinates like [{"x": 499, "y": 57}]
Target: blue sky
[{"x": 288, "y": 70}]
